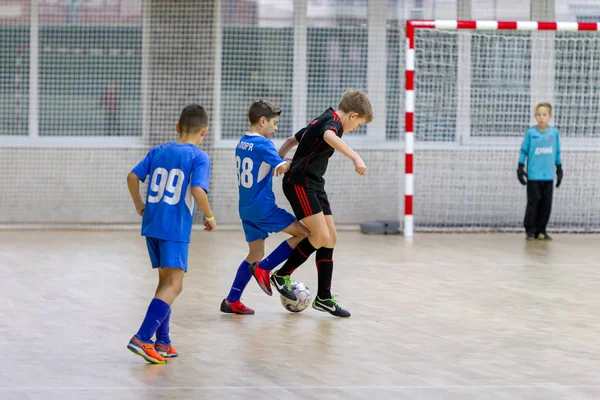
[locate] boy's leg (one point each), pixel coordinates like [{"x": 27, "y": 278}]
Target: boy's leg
[
  {"x": 240, "y": 281},
  {"x": 307, "y": 208},
  {"x": 531, "y": 212},
  {"x": 255, "y": 237},
  {"x": 169, "y": 287},
  {"x": 261, "y": 270},
  {"x": 256, "y": 250},
  {"x": 324, "y": 301},
  {"x": 545, "y": 208},
  {"x": 170, "y": 283},
  {"x": 319, "y": 235},
  {"x": 324, "y": 261},
  {"x": 163, "y": 341},
  {"x": 324, "y": 256},
  {"x": 162, "y": 333},
  {"x": 232, "y": 304},
  {"x": 298, "y": 232}
]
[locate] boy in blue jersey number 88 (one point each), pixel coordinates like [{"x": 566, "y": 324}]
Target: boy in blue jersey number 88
[
  {"x": 541, "y": 149},
  {"x": 256, "y": 160},
  {"x": 179, "y": 176}
]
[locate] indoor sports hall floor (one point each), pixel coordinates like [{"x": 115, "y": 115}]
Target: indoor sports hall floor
[{"x": 447, "y": 316}]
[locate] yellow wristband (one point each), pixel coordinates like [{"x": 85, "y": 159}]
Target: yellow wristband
[{"x": 209, "y": 219}]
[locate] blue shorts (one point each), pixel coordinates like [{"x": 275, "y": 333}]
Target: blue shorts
[
  {"x": 277, "y": 221},
  {"x": 166, "y": 253}
]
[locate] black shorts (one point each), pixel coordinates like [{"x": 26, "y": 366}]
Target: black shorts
[{"x": 306, "y": 201}]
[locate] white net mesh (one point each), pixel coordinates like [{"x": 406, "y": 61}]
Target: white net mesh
[{"x": 108, "y": 79}]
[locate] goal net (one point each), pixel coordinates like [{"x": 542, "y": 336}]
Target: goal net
[{"x": 469, "y": 102}]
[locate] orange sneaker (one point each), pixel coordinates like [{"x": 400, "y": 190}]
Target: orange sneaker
[
  {"x": 146, "y": 351},
  {"x": 166, "y": 350}
]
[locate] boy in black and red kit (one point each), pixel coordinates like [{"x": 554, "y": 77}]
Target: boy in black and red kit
[{"x": 304, "y": 187}]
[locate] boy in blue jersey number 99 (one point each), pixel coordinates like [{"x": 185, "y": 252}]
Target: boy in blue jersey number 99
[
  {"x": 256, "y": 160},
  {"x": 541, "y": 149},
  {"x": 179, "y": 175}
]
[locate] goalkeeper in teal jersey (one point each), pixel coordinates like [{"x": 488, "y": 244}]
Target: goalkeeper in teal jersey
[{"x": 541, "y": 149}]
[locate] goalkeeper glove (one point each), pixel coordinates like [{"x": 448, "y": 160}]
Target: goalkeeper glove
[
  {"x": 521, "y": 174},
  {"x": 559, "y": 175}
]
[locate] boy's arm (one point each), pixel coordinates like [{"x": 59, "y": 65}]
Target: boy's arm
[
  {"x": 200, "y": 180},
  {"x": 133, "y": 183},
  {"x": 521, "y": 174},
  {"x": 269, "y": 154},
  {"x": 524, "y": 149},
  {"x": 288, "y": 145},
  {"x": 559, "y": 170},
  {"x": 201, "y": 198},
  {"x": 282, "y": 168},
  {"x": 558, "y": 155},
  {"x": 338, "y": 144}
]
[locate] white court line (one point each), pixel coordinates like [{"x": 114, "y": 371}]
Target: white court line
[
  {"x": 530, "y": 263},
  {"x": 225, "y": 388}
]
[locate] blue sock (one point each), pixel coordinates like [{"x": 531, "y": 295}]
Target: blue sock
[
  {"x": 242, "y": 278},
  {"x": 156, "y": 314},
  {"x": 162, "y": 333},
  {"x": 277, "y": 256}
]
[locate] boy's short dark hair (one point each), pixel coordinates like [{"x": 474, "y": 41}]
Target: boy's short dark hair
[
  {"x": 193, "y": 118},
  {"x": 262, "y": 108},
  {"x": 357, "y": 100}
]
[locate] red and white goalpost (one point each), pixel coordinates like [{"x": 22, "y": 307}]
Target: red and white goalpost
[{"x": 410, "y": 124}]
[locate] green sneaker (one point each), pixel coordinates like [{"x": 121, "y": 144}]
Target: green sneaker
[
  {"x": 331, "y": 306},
  {"x": 283, "y": 284}
]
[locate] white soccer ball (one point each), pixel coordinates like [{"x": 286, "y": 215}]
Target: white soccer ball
[{"x": 303, "y": 298}]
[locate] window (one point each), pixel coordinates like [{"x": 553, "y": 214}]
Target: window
[
  {"x": 14, "y": 69},
  {"x": 257, "y": 62},
  {"x": 90, "y": 66},
  {"x": 337, "y": 53}
]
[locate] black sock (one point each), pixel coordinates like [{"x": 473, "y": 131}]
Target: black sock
[
  {"x": 299, "y": 255},
  {"x": 324, "y": 259}
]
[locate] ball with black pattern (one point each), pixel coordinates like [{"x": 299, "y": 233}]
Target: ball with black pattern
[{"x": 303, "y": 298}]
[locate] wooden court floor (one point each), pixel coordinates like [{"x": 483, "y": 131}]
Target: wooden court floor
[{"x": 446, "y": 316}]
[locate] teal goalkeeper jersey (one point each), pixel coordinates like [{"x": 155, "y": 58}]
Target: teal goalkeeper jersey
[{"x": 542, "y": 152}]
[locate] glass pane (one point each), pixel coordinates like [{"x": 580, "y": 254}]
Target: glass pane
[
  {"x": 337, "y": 53},
  {"x": 14, "y": 69},
  {"x": 90, "y": 68},
  {"x": 257, "y": 62}
]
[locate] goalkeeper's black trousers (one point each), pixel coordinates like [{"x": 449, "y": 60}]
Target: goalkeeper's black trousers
[{"x": 539, "y": 206}]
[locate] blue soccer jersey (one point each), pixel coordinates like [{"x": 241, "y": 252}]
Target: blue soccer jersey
[
  {"x": 255, "y": 159},
  {"x": 542, "y": 151},
  {"x": 174, "y": 169}
]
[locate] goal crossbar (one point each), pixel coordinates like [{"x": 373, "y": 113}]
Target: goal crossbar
[{"x": 411, "y": 26}]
